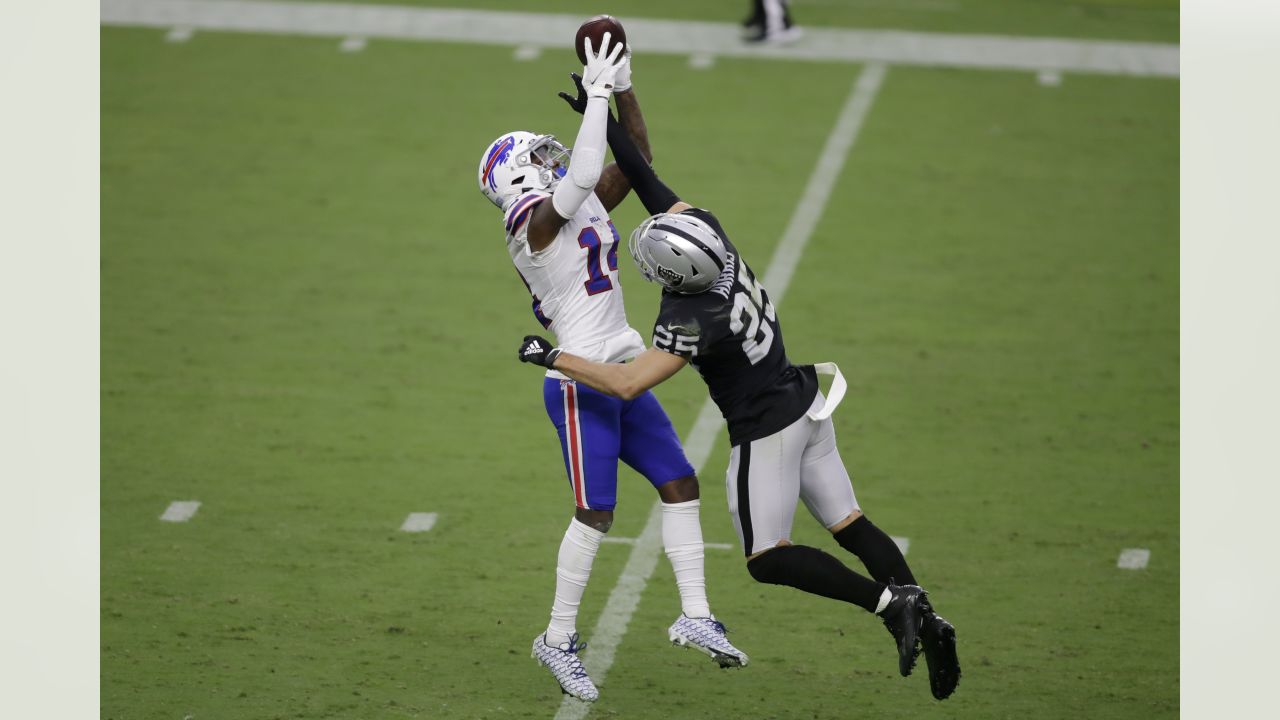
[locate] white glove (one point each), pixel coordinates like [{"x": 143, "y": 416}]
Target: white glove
[
  {"x": 600, "y": 72},
  {"x": 622, "y": 82}
]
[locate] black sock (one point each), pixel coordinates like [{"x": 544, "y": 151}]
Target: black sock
[
  {"x": 877, "y": 551},
  {"x": 813, "y": 571}
]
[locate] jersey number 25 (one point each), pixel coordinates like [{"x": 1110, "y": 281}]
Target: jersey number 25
[{"x": 757, "y": 336}]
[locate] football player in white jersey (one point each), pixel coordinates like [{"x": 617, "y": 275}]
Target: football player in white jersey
[
  {"x": 565, "y": 248},
  {"x": 716, "y": 316}
]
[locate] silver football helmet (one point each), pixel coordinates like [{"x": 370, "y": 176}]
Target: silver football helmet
[
  {"x": 679, "y": 252},
  {"x": 519, "y": 162}
]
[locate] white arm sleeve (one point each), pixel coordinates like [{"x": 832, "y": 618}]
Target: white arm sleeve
[{"x": 587, "y": 161}]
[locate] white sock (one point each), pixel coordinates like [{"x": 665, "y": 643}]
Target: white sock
[
  {"x": 682, "y": 539},
  {"x": 885, "y": 597},
  {"x": 773, "y": 16},
  {"x": 573, "y": 568}
]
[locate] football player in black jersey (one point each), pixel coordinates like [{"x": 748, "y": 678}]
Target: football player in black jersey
[{"x": 716, "y": 316}]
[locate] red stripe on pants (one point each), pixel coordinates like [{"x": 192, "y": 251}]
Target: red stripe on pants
[{"x": 575, "y": 446}]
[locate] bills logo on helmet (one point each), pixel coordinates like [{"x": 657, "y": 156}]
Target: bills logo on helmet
[{"x": 499, "y": 154}]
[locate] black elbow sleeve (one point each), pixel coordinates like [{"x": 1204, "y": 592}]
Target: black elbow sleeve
[{"x": 655, "y": 195}]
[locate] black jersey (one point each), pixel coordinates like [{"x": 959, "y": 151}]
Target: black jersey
[{"x": 730, "y": 333}]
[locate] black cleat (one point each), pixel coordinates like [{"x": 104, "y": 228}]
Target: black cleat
[
  {"x": 939, "y": 640},
  {"x": 903, "y": 617}
]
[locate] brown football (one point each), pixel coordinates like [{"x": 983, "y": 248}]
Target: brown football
[{"x": 595, "y": 28}]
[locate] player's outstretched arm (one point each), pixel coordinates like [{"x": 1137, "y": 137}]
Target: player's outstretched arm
[
  {"x": 628, "y": 381},
  {"x": 656, "y": 196},
  {"x": 598, "y": 77},
  {"x": 629, "y": 140},
  {"x": 629, "y": 114},
  {"x": 614, "y": 186}
]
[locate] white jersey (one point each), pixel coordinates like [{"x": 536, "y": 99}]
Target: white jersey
[{"x": 574, "y": 281}]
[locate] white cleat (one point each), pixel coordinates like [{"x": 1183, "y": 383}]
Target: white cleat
[
  {"x": 707, "y": 635},
  {"x": 566, "y": 666}
]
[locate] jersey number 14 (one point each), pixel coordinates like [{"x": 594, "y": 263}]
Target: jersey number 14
[
  {"x": 597, "y": 277},
  {"x": 748, "y": 307}
]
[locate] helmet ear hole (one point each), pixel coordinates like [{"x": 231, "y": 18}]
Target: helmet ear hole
[{"x": 518, "y": 180}]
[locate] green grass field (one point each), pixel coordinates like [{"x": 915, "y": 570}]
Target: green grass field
[{"x": 309, "y": 325}]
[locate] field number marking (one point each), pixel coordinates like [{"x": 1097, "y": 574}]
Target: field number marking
[
  {"x": 419, "y": 522},
  {"x": 527, "y": 53},
  {"x": 1133, "y": 558},
  {"x": 1049, "y": 78},
  {"x": 702, "y": 61},
  {"x": 180, "y": 510},
  {"x": 902, "y": 543}
]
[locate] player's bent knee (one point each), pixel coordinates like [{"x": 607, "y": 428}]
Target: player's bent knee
[
  {"x": 781, "y": 543},
  {"x": 766, "y": 566},
  {"x": 679, "y": 490},
  {"x": 846, "y": 522},
  {"x": 600, "y": 520}
]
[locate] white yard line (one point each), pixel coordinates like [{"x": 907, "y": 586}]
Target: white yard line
[
  {"x": 632, "y": 541},
  {"x": 419, "y": 522},
  {"x": 823, "y": 180},
  {"x": 180, "y": 510},
  {"x": 1133, "y": 558},
  {"x": 353, "y": 44},
  {"x": 622, "y": 602},
  {"x": 992, "y": 52}
]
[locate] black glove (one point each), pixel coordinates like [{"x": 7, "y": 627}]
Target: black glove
[
  {"x": 538, "y": 350},
  {"x": 578, "y": 104}
]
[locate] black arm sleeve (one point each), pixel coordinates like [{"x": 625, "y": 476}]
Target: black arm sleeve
[{"x": 655, "y": 195}]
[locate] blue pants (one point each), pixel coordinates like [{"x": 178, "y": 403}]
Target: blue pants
[{"x": 596, "y": 430}]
